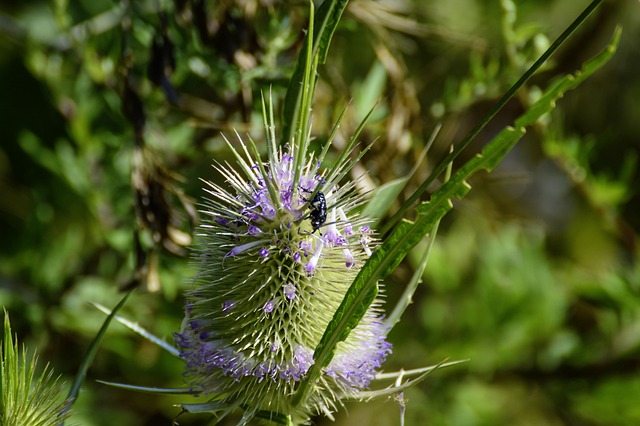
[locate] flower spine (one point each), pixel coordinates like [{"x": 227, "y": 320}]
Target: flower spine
[{"x": 277, "y": 251}]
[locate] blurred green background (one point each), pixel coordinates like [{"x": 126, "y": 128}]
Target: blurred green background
[{"x": 111, "y": 111}]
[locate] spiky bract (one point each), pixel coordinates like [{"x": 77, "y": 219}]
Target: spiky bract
[{"x": 27, "y": 398}]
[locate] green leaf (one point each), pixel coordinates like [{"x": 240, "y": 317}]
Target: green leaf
[
  {"x": 147, "y": 389},
  {"x": 416, "y": 279},
  {"x": 406, "y": 235},
  {"x": 499, "y": 105},
  {"x": 382, "y": 198},
  {"x": 205, "y": 407},
  {"x": 384, "y": 195},
  {"x": 355, "y": 303},
  {"x": 273, "y": 417},
  {"x": 90, "y": 355},
  {"x": 301, "y": 115},
  {"x": 324, "y": 25}
]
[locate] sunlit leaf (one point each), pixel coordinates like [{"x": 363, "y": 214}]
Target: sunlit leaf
[{"x": 91, "y": 353}]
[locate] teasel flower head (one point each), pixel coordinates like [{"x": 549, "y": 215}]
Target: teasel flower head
[
  {"x": 277, "y": 250},
  {"x": 29, "y": 394}
]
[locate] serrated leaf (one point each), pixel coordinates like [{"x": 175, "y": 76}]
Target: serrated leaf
[
  {"x": 355, "y": 303},
  {"x": 416, "y": 278},
  {"x": 370, "y": 89},
  {"x": 457, "y": 187}
]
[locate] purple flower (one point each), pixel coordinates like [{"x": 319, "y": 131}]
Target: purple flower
[{"x": 289, "y": 291}]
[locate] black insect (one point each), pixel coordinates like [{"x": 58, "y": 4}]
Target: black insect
[{"x": 318, "y": 213}]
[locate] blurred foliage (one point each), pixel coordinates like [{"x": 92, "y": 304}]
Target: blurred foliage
[{"x": 111, "y": 111}]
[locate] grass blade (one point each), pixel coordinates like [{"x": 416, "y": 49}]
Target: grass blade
[
  {"x": 140, "y": 331},
  {"x": 90, "y": 355}
]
